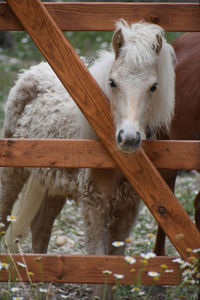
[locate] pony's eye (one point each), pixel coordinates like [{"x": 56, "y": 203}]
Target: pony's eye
[
  {"x": 112, "y": 83},
  {"x": 154, "y": 87}
]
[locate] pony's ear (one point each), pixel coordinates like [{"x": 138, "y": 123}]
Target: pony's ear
[
  {"x": 117, "y": 42},
  {"x": 158, "y": 45}
]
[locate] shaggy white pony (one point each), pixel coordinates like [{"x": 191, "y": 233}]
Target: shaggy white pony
[{"x": 138, "y": 79}]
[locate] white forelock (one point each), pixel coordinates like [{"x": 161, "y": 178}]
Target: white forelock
[{"x": 140, "y": 40}]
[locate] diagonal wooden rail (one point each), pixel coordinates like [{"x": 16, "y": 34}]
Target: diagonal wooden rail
[{"x": 138, "y": 168}]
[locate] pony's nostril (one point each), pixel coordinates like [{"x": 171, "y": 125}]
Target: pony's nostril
[
  {"x": 128, "y": 142},
  {"x": 138, "y": 138},
  {"x": 120, "y": 138}
]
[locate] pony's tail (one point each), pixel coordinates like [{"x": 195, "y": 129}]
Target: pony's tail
[{"x": 25, "y": 210}]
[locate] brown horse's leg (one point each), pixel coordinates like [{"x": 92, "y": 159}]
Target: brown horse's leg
[
  {"x": 197, "y": 210},
  {"x": 159, "y": 248},
  {"x": 170, "y": 177},
  {"x": 197, "y": 217},
  {"x": 42, "y": 224}
]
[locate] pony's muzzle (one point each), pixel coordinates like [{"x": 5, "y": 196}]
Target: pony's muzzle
[{"x": 128, "y": 142}]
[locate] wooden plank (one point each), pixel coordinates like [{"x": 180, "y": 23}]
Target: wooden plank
[
  {"x": 174, "y": 154},
  {"x": 54, "y": 153},
  {"x": 138, "y": 168},
  {"x": 102, "y": 16},
  {"x": 89, "y": 268},
  {"x": 61, "y": 153}
]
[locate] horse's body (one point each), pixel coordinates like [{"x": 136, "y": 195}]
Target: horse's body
[
  {"x": 138, "y": 79},
  {"x": 186, "y": 122}
]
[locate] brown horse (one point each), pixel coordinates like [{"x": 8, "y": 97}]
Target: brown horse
[{"x": 186, "y": 122}]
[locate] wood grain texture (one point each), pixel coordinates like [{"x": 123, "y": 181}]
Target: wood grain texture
[
  {"x": 92, "y": 154},
  {"x": 102, "y": 16},
  {"x": 88, "y": 269},
  {"x": 54, "y": 153},
  {"x": 138, "y": 169}
]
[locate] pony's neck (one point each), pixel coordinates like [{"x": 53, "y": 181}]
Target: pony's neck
[{"x": 100, "y": 71}]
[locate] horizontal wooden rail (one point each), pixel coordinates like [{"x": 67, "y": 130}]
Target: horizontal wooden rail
[
  {"x": 102, "y": 16},
  {"x": 89, "y": 268},
  {"x": 92, "y": 154}
]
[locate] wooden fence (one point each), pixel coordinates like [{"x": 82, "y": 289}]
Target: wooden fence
[{"x": 44, "y": 23}]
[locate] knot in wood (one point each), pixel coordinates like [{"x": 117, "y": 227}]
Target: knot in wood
[
  {"x": 60, "y": 277},
  {"x": 154, "y": 19},
  {"x": 161, "y": 210}
]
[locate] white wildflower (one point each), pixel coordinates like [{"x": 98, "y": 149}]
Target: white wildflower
[
  {"x": 148, "y": 255},
  {"x": 141, "y": 293},
  {"x": 131, "y": 260},
  {"x": 14, "y": 289},
  {"x": 118, "y": 244},
  {"x": 11, "y": 218},
  {"x": 42, "y": 290},
  {"x": 2, "y": 225},
  {"x": 153, "y": 274},
  {"x": 169, "y": 271},
  {"x": 187, "y": 273},
  {"x": 185, "y": 264},
  {"x": 106, "y": 272},
  {"x": 196, "y": 250},
  {"x": 178, "y": 260},
  {"x": 4, "y": 265},
  {"x": 21, "y": 264},
  {"x": 118, "y": 276}
]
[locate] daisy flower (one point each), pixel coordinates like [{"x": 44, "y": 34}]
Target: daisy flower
[
  {"x": 148, "y": 255},
  {"x": 118, "y": 244},
  {"x": 15, "y": 289},
  {"x": 196, "y": 250},
  {"x": 106, "y": 272},
  {"x": 153, "y": 274},
  {"x": 129, "y": 259},
  {"x": 178, "y": 260},
  {"x": 118, "y": 276},
  {"x": 4, "y": 265},
  {"x": 11, "y": 218}
]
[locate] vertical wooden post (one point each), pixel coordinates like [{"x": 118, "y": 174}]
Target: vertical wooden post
[{"x": 82, "y": 87}]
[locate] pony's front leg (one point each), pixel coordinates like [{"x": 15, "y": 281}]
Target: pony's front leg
[
  {"x": 110, "y": 207},
  {"x": 95, "y": 195}
]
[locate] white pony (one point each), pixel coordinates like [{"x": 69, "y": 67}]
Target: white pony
[{"x": 138, "y": 79}]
